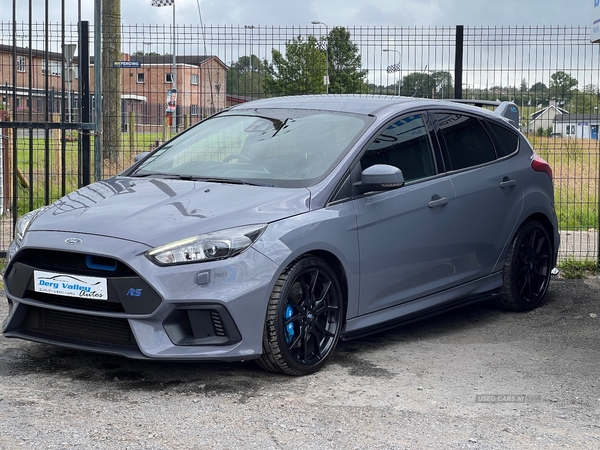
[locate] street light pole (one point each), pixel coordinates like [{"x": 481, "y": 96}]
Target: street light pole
[
  {"x": 316, "y": 22},
  {"x": 396, "y": 68}
]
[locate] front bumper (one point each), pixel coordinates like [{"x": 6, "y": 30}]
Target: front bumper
[{"x": 204, "y": 311}]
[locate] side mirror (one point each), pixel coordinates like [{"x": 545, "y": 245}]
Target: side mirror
[{"x": 381, "y": 177}]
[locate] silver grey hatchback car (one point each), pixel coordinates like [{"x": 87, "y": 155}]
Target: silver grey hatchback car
[{"x": 275, "y": 228}]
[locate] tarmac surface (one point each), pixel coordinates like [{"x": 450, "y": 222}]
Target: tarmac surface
[{"x": 476, "y": 377}]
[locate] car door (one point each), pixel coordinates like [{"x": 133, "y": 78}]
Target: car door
[
  {"x": 489, "y": 191},
  {"x": 406, "y": 234}
]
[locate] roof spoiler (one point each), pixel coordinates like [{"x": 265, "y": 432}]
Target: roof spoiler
[{"x": 509, "y": 111}]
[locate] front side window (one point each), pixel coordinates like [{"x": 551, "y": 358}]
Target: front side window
[
  {"x": 168, "y": 77},
  {"x": 279, "y": 147},
  {"x": 467, "y": 142},
  {"x": 140, "y": 78},
  {"x": 404, "y": 144},
  {"x": 194, "y": 78}
]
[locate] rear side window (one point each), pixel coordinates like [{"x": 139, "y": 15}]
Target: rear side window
[
  {"x": 506, "y": 141},
  {"x": 467, "y": 142},
  {"x": 404, "y": 144}
]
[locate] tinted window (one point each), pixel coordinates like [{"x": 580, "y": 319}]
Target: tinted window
[
  {"x": 505, "y": 140},
  {"x": 467, "y": 142},
  {"x": 404, "y": 144}
]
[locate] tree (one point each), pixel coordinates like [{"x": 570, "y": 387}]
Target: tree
[
  {"x": 246, "y": 75},
  {"x": 379, "y": 89},
  {"x": 539, "y": 94},
  {"x": 586, "y": 101},
  {"x": 300, "y": 71},
  {"x": 418, "y": 84},
  {"x": 562, "y": 86},
  {"x": 444, "y": 85},
  {"x": 142, "y": 53},
  {"x": 522, "y": 94},
  {"x": 345, "y": 73},
  {"x": 111, "y": 79}
]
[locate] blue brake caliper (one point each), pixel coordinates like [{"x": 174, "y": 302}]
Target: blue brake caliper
[{"x": 289, "y": 328}]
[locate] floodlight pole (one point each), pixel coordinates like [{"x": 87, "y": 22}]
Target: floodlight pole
[{"x": 316, "y": 22}]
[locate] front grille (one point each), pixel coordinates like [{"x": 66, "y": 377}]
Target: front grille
[
  {"x": 81, "y": 327},
  {"x": 76, "y": 303},
  {"x": 77, "y": 263},
  {"x": 121, "y": 281}
]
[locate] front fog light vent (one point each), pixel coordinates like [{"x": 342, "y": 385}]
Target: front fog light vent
[
  {"x": 217, "y": 324},
  {"x": 202, "y": 325}
]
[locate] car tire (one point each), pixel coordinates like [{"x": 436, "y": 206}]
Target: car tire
[
  {"x": 527, "y": 268},
  {"x": 304, "y": 318}
]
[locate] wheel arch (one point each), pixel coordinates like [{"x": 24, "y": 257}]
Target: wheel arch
[
  {"x": 548, "y": 225},
  {"x": 336, "y": 265}
]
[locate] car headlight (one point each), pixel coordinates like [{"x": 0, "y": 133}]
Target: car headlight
[
  {"x": 21, "y": 228},
  {"x": 207, "y": 247}
]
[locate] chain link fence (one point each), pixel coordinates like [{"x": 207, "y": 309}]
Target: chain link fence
[{"x": 171, "y": 77}]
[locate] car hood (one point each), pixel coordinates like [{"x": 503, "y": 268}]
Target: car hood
[{"x": 157, "y": 211}]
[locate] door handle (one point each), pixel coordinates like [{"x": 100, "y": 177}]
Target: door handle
[
  {"x": 506, "y": 183},
  {"x": 436, "y": 200}
]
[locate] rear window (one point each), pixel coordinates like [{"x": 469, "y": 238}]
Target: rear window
[{"x": 505, "y": 140}]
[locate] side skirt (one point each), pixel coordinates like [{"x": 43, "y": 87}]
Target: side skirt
[{"x": 473, "y": 292}]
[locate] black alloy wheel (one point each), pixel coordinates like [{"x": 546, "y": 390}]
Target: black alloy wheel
[
  {"x": 304, "y": 318},
  {"x": 527, "y": 268}
]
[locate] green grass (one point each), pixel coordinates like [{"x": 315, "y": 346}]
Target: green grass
[
  {"x": 34, "y": 159},
  {"x": 578, "y": 268},
  {"x": 575, "y": 166}
]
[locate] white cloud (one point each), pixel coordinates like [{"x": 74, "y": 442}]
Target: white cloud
[{"x": 400, "y": 13}]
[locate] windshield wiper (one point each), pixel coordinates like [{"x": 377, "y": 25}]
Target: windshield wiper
[
  {"x": 171, "y": 176},
  {"x": 230, "y": 181},
  {"x": 168, "y": 176}
]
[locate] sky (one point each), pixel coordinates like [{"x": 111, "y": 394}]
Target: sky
[{"x": 393, "y": 13}]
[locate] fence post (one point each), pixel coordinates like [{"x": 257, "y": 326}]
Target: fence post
[
  {"x": 56, "y": 138},
  {"x": 7, "y": 169},
  {"x": 132, "y": 130},
  {"x": 186, "y": 121},
  {"x": 165, "y": 129},
  {"x": 458, "y": 61},
  {"x": 84, "y": 86}
]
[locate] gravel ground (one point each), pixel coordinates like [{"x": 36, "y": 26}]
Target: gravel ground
[{"x": 535, "y": 376}]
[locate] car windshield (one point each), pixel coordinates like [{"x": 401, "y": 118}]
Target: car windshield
[{"x": 276, "y": 147}]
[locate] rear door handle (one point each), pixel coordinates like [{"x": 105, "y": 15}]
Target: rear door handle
[
  {"x": 506, "y": 183},
  {"x": 436, "y": 200}
]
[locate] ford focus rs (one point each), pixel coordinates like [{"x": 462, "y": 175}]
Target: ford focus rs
[{"x": 275, "y": 228}]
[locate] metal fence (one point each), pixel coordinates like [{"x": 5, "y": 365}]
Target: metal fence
[{"x": 551, "y": 73}]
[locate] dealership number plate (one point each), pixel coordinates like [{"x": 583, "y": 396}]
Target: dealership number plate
[{"x": 70, "y": 285}]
